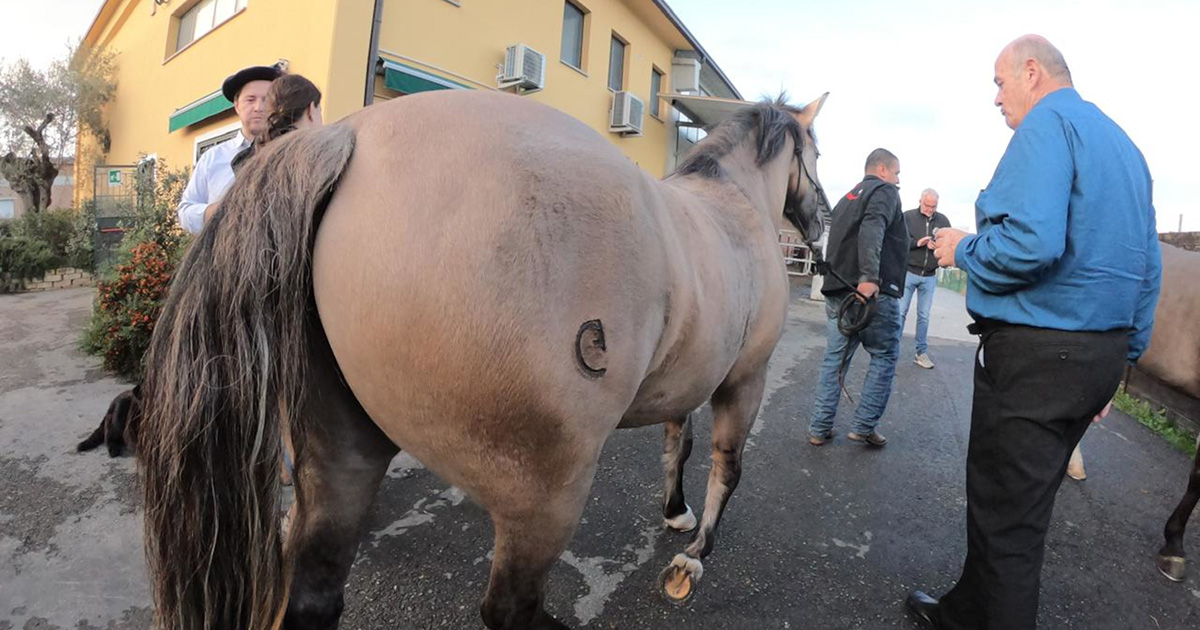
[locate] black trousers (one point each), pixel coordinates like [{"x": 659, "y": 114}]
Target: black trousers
[{"x": 1036, "y": 390}]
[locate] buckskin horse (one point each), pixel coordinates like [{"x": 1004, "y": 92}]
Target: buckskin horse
[{"x": 481, "y": 281}]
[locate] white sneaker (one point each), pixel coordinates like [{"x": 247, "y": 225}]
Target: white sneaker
[{"x": 924, "y": 361}]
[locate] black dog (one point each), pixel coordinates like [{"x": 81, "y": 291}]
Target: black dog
[{"x": 118, "y": 429}]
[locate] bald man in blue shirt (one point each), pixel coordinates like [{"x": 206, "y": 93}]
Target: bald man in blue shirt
[{"x": 1063, "y": 278}]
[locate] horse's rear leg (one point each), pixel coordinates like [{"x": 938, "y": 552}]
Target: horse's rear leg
[
  {"x": 532, "y": 531},
  {"x": 339, "y": 461},
  {"x": 735, "y": 406},
  {"x": 677, "y": 446},
  {"x": 1171, "y": 557}
]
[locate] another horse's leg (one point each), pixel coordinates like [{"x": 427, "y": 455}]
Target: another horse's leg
[
  {"x": 340, "y": 458},
  {"x": 1075, "y": 468},
  {"x": 531, "y": 533},
  {"x": 1171, "y": 557},
  {"x": 676, "y": 448},
  {"x": 735, "y": 405}
]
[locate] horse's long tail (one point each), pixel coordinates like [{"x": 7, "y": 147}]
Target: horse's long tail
[{"x": 229, "y": 349}]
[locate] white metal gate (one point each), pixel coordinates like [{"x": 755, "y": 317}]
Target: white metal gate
[{"x": 796, "y": 253}]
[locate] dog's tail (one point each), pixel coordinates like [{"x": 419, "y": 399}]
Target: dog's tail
[{"x": 96, "y": 438}]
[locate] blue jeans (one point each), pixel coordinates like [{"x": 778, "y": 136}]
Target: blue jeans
[
  {"x": 882, "y": 340},
  {"x": 924, "y": 286}
]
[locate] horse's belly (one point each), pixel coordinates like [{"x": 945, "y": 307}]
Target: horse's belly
[
  {"x": 699, "y": 362},
  {"x": 660, "y": 400},
  {"x": 646, "y": 416}
]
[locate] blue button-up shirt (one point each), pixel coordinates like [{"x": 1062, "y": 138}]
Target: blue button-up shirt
[{"x": 1066, "y": 231}]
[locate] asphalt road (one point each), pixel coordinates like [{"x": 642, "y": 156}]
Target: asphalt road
[{"x": 830, "y": 537}]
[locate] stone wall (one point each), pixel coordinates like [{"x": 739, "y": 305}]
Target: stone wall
[
  {"x": 61, "y": 278},
  {"x": 1183, "y": 240}
]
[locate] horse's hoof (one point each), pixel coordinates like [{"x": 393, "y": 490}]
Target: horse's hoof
[
  {"x": 685, "y": 522},
  {"x": 1172, "y": 567},
  {"x": 678, "y": 582}
]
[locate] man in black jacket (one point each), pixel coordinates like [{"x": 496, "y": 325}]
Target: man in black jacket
[
  {"x": 868, "y": 243},
  {"x": 922, "y": 269}
]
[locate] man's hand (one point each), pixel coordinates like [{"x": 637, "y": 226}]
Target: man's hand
[
  {"x": 209, "y": 211},
  {"x": 868, "y": 288},
  {"x": 925, "y": 242},
  {"x": 1103, "y": 412},
  {"x": 945, "y": 244}
]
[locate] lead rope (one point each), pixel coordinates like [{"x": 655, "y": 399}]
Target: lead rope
[{"x": 855, "y": 314}]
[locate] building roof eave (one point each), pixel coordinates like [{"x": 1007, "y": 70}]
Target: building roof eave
[
  {"x": 93, "y": 31},
  {"x": 705, "y": 58},
  {"x": 706, "y": 111}
]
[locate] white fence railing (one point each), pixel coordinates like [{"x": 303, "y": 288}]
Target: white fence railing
[{"x": 796, "y": 253}]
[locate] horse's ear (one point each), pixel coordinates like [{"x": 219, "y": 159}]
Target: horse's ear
[{"x": 810, "y": 111}]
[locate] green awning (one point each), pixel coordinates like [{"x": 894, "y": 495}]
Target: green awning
[
  {"x": 409, "y": 80},
  {"x": 197, "y": 111}
]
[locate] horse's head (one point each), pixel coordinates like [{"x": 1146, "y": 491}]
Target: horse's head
[
  {"x": 807, "y": 207},
  {"x": 755, "y": 138}
]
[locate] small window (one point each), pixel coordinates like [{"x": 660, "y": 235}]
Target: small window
[
  {"x": 203, "y": 17},
  {"x": 187, "y": 29},
  {"x": 572, "y": 35},
  {"x": 616, "y": 65},
  {"x": 203, "y": 146},
  {"x": 223, "y": 9},
  {"x": 655, "y": 85},
  {"x": 688, "y": 135},
  {"x": 8, "y": 208}
]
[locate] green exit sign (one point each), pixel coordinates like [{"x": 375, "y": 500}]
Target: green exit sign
[{"x": 114, "y": 178}]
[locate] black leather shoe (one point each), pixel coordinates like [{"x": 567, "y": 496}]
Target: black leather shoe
[{"x": 925, "y": 608}]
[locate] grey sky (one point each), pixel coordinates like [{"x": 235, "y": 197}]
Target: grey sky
[
  {"x": 40, "y": 30},
  {"x": 914, "y": 76}
]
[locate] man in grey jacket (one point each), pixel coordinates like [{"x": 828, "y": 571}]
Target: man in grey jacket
[
  {"x": 867, "y": 246},
  {"x": 921, "y": 277}
]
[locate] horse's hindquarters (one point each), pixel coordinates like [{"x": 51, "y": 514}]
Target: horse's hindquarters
[
  {"x": 491, "y": 322},
  {"x": 483, "y": 303}
]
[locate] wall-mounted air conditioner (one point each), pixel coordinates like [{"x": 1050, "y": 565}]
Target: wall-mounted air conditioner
[
  {"x": 524, "y": 69},
  {"x": 628, "y": 111}
]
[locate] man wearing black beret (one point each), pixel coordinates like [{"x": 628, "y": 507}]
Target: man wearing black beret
[{"x": 247, "y": 90}]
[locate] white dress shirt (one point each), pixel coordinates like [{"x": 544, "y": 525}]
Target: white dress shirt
[{"x": 210, "y": 180}]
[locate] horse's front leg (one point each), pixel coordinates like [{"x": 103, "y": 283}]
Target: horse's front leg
[
  {"x": 1171, "y": 557},
  {"x": 735, "y": 405},
  {"x": 677, "y": 446}
]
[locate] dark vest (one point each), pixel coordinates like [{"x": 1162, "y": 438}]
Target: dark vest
[{"x": 846, "y": 229}]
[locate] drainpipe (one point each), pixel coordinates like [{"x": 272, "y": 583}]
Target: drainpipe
[{"x": 373, "y": 53}]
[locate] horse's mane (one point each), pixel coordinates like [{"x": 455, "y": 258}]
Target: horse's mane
[{"x": 773, "y": 123}]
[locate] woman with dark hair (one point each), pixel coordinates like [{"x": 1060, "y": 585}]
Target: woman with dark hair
[{"x": 293, "y": 102}]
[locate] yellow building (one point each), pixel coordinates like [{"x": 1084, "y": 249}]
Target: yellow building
[{"x": 606, "y": 62}]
